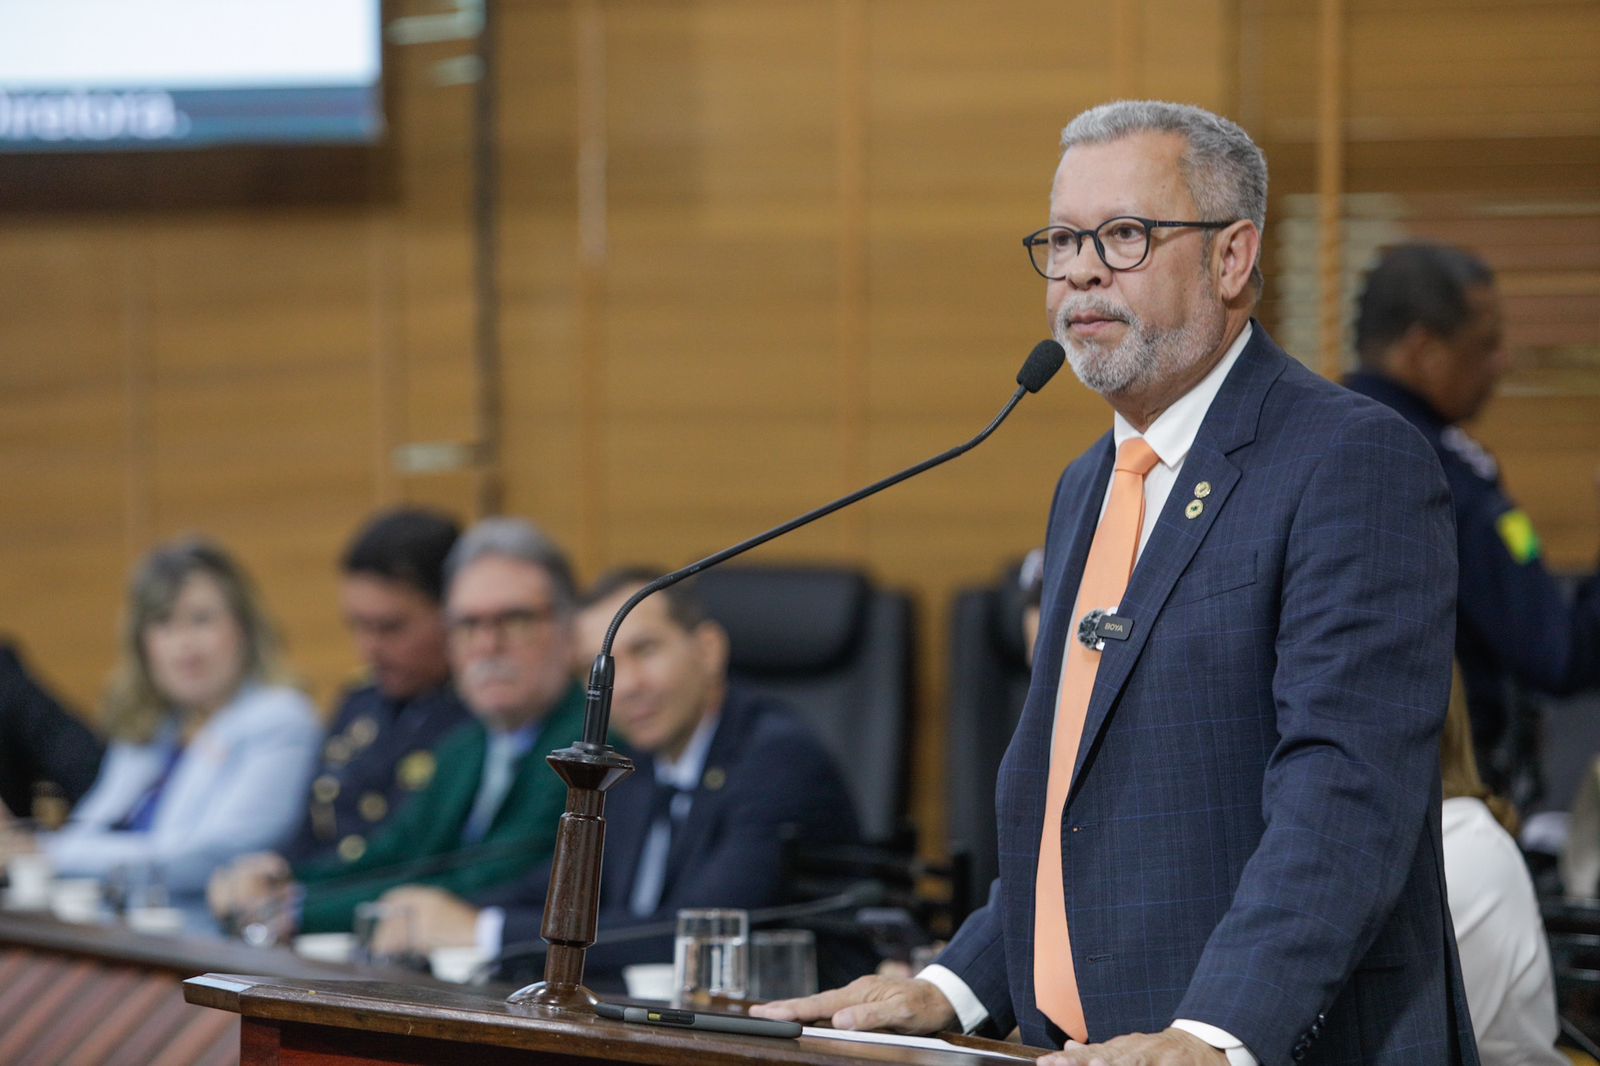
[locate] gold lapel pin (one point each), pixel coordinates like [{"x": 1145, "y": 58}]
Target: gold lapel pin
[
  {"x": 1194, "y": 509},
  {"x": 1202, "y": 490}
]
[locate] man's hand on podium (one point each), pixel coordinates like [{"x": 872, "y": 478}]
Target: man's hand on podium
[
  {"x": 1171, "y": 1047},
  {"x": 899, "y": 1005}
]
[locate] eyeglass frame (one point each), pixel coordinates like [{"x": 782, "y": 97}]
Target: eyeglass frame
[
  {"x": 1032, "y": 241},
  {"x": 511, "y": 625}
]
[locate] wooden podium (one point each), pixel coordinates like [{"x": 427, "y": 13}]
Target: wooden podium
[{"x": 289, "y": 1022}]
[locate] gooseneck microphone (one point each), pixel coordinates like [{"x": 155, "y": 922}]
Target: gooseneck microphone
[{"x": 1040, "y": 366}]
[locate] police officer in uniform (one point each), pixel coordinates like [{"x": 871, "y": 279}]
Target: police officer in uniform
[
  {"x": 380, "y": 749},
  {"x": 1429, "y": 339}
]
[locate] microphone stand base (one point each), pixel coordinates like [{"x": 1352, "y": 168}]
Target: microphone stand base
[{"x": 544, "y": 996}]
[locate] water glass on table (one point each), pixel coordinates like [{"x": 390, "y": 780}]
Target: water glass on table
[
  {"x": 783, "y": 964},
  {"x": 711, "y": 958}
]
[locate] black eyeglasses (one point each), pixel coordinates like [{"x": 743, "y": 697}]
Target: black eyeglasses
[
  {"x": 1122, "y": 243},
  {"x": 513, "y": 626}
]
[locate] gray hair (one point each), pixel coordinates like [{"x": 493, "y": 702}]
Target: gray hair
[
  {"x": 522, "y": 541},
  {"x": 1224, "y": 169}
]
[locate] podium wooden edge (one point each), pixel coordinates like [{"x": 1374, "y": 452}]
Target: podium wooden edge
[{"x": 476, "y": 1016}]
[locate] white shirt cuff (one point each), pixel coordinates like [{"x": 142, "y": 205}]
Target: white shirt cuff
[
  {"x": 491, "y": 929},
  {"x": 970, "y": 1011},
  {"x": 1221, "y": 1039}
]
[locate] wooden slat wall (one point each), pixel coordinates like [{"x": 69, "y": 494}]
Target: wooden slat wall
[{"x": 754, "y": 253}]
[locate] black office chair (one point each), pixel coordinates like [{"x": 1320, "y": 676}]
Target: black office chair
[
  {"x": 988, "y": 684},
  {"x": 839, "y": 650}
]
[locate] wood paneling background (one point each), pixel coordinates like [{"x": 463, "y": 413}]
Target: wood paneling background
[{"x": 752, "y": 254}]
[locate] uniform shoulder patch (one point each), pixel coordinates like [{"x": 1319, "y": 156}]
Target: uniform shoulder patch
[{"x": 1516, "y": 530}]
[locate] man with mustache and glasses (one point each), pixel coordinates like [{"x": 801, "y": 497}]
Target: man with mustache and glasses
[
  {"x": 1219, "y": 817},
  {"x": 490, "y": 812}
]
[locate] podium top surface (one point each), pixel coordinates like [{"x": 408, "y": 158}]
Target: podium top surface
[{"x": 472, "y": 1017}]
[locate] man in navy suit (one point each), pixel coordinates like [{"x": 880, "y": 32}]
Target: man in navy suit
[
  {"x": 722, "y": 778},
  {"x": 1249, "y": 837}
]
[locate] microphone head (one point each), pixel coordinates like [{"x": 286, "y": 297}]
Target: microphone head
[{"x": 1042, "y": 364}]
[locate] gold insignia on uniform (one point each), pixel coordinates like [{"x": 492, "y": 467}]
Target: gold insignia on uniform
[
  {"x": 715, "y": 778},
  {"x": 352, "y": 847},
  {"x": 325, "y": 789},
  {"x": 416, "y": 770},
  {"x": 373, "y": 806},
  {"x": 336, "y": 752},
  {"x": 362, "y": 731},
  {"x": 1202, "y": 490},
  {"x": 1194, "y": 509}
]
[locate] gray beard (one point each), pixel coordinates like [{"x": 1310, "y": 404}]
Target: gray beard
[{"x": 1143, "y": 357}]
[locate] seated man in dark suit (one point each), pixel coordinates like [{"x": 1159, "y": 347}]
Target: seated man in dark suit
[
  {"x": 721, "y": 778},
  {"x": 489, "y": 814},
  {"x": 380, "y": 748},
  {"x": 45, "y": 749}
]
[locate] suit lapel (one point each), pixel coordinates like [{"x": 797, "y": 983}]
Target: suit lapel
[
  {"x": 1077, "y": 513},
  {"x": 1230, "y": 424},
  {"x": 627, "y": 815},
  {"x": 689, "y": 838}
]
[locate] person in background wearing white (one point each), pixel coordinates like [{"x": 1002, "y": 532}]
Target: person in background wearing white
[
  {"x": 211, "y": 751},
  {"x": 1505, "y": 961}
]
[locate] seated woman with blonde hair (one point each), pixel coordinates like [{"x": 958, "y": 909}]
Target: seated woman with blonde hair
[
  {"x": 1505, "y": 961},
  {"x": 211, "y": 751}
]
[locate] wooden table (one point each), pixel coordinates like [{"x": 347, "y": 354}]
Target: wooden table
[
  {"x": 348, "y": 1022},
  {"x": 86, "y": 995}
]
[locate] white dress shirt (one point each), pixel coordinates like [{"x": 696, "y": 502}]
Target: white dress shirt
[{"x": 1170, "y": 436}]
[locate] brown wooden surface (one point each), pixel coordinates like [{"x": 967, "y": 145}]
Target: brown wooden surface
[
  {"x": 754, "y": 253},
  {"x": 88, "y": 995},
  {"x": 362, "y": 1021}
]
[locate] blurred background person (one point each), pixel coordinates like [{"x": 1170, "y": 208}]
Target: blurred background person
[
  {"x": 48, "y": 756},
  {"x": 490, "y": 812},
  {"x": 380, "y": 748},
  {"x": 722, "y": 779},
  {"x": 210, "y": 746},
  {"x": 1505, "y": 961},
  {"x": 1431, "y": 345}
]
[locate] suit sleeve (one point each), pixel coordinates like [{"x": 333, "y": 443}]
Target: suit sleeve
[
  {"x": 977, "y": 955},
  {"x": 1360, "y": 686},
  {"x": 42, "y": 740},
  {"x": 1545, "y": 640}
]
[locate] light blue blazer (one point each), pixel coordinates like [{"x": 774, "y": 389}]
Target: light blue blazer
[{"x": 239, "y": 787}]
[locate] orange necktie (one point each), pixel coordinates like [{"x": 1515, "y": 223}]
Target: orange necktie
[{"x": 1105, "y": 579}]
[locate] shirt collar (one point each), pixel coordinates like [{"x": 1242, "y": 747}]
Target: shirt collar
[
  {"x": 685, "y": 771},
  {"x": 519, "y": 741},
  {"x": 1173, "y": 432}
]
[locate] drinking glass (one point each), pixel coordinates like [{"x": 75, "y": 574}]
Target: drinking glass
[
  {"x": 783, "y": 964},
  {"x": 711, "y": 957}
]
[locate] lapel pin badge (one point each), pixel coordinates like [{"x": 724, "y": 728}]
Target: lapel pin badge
[
  {"x": 1194, "y": 509},
  {"x": 1202, "y": 490}
]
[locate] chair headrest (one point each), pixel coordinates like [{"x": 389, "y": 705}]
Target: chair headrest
[
  {"x": 783, "y": 620},
  {"x": 1005, "y": 623}
]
